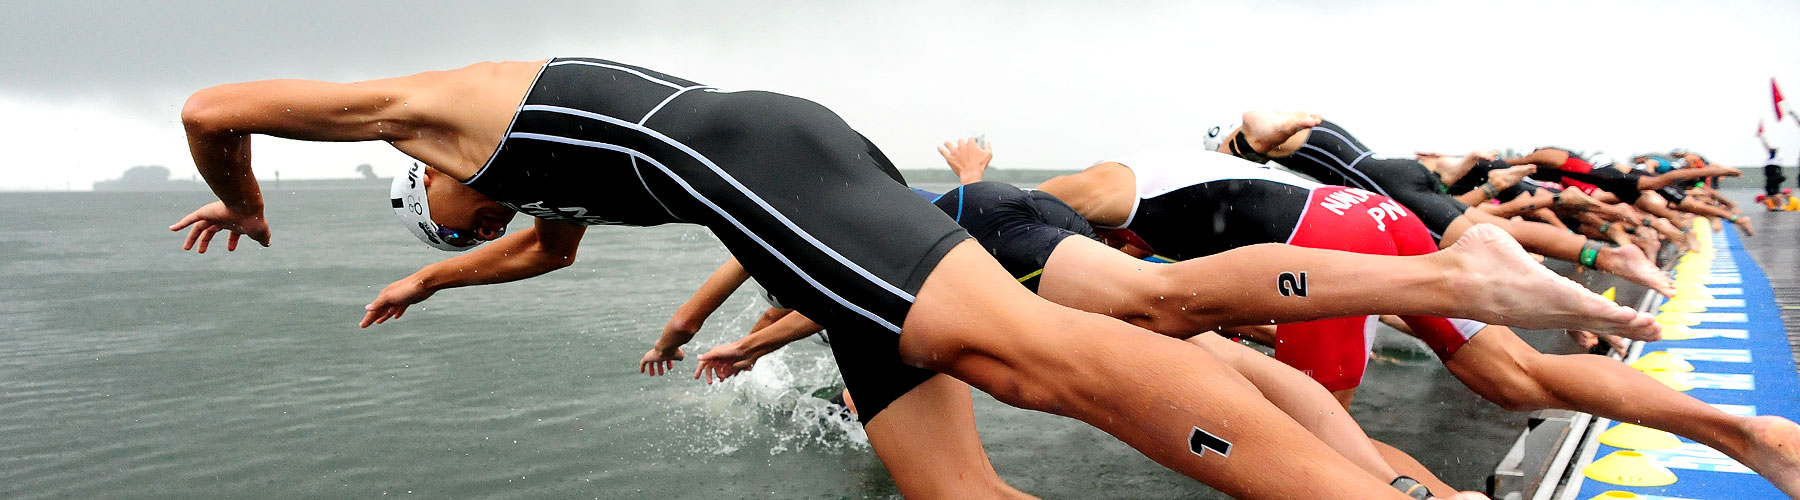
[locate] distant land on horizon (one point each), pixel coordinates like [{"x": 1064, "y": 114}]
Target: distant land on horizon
[{"x": 156, "y": 178}]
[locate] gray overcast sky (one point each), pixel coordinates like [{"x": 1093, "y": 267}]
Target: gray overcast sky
[{"x": 88, "y": 89}]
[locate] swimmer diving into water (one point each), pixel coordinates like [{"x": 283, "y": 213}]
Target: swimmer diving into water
[{"x": 575, "y": 142}]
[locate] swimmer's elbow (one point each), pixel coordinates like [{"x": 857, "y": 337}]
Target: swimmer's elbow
[
  {"x": 555, "y": 258},
  {"x": 204, "y": 111},
  {"x": 552, "y": 261}
]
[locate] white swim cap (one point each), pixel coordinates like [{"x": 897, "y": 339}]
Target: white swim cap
[
  {"x": 1601, "y": 160},
  {"x": 408, "y": 197},
  {"x": 1216, "y": 135}
]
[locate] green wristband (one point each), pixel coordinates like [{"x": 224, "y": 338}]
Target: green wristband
[{"x": 1590, "y": 252}]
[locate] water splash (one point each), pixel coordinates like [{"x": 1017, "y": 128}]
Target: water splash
[{"x": 781, "y": 405}]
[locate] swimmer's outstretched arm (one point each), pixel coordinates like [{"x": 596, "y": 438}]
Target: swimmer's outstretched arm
[
  {"x": 220, "y": 120},
  {"x": 1656, "y": 205},
  {"x": 542, "y": 248},
  {"x": 1678, "y": 175},
  {"x": 728, "y": 359},
  {"x": 688, "y": 318},
  {"x": 968, "y": 158}
]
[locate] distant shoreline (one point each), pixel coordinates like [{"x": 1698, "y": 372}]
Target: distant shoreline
[
  {"x": 1752, "y": 179},
  {"x": 920, "y": 175}
]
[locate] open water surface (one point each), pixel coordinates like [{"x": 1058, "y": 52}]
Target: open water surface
[{"x": 131, "y": 369}]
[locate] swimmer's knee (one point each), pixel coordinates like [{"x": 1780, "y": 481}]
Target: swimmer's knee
[{"x": 1173, "y": 305}]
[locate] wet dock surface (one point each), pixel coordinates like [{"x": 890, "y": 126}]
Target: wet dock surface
[{"x": 1776, "y": 248}]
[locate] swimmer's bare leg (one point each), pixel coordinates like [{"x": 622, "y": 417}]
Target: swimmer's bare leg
[
  {"x": 1518, "y": 206},
  {"x": 1304, "y": 400},
  {"x": 1544, "y": 159},
  {"x": 1486, "y": 278},
  {"x": 1505, "y": 370},
  {"x": 1626, "y": 262},
  {"x": 1321, "y": 412},
  {"x": 927, "y": 441},
  {"x": 1273, "y": 134},
  {"x": 1172, "y": 401}
]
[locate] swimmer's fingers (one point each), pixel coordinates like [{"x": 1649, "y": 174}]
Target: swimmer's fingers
[
  {"x": 713, "y": 371},
  {"x": 193, "y": 233},
  {"x": 369, "y": 318},
  {"x": 206, "y": 236},
  {"x": 381, "y": 314},
  {"x": 704, "y": 372},
  {"x": 189, "y": 220},
  {"x": 231, "y": 242}
]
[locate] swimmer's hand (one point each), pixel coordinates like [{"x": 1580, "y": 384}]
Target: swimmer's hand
[
  {"x": 394, "y": 299},
  {"x": 202, "y": 224},
  {"x": 658, "y": 361},
  {"x": 723, "y": 361},
  {"x": 968, "y": 158}
]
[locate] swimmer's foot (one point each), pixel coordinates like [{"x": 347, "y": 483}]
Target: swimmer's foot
[
  {"x": 1507, "y": 177},
  {"x": 1503, "y": 282},
  {"x": 1266, "y": 130},
  {"x": 1631, "y": 264},
  {"x": 1774, "y": 451},
  {"x": 1574, "y": 199},
  {"x": 1743, "y": 224}
]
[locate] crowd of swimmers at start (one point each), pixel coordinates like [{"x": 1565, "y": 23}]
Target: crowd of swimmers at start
[{"x": 1112, "y": 295}]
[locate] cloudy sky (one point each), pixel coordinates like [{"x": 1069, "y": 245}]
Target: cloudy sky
[{"x": 88, "y": 89}]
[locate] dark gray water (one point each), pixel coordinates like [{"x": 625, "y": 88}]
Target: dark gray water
[{"x": 130, "y": 369}]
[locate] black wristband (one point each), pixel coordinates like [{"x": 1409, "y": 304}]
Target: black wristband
[{"x": 1240, "y": 146}]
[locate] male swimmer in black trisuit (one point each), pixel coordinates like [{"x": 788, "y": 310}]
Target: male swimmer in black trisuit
[
  {"x": 810, "y": 207},
  {"x": 1309, "y": 145}
]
